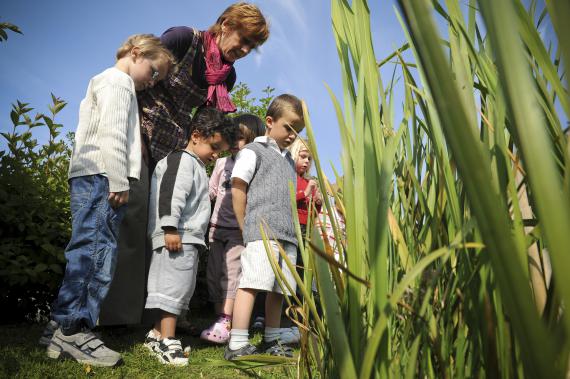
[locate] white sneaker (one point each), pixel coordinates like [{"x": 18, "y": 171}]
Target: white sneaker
[
  {"x": 169, "y": 351},
  {"x": 151, "y": 341}
]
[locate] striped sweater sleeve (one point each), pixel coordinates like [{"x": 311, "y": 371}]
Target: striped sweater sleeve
[
  {"x": 114, "y": 103},
  {"x": 175, "y": 187}
]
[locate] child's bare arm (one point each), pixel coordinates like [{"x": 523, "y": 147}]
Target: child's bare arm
[{"x": 239, "y": 200}]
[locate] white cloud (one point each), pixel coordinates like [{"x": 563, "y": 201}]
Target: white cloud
[
  {"x": 296, "y": 12},
  {"x": 258, "y": 56}
]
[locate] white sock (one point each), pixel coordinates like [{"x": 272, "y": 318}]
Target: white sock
[
  {"x": 238, "y": 338},
  {"x": 271, "y": 334}
]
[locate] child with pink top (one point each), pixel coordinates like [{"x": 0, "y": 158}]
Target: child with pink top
[{"x": 226, "y": 241}]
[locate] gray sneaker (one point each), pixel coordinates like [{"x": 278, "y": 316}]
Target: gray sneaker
[
  {"x": 248, "y": 349},
  {"x": 48, "y": 332},
  {"x": 277, "y": 348},
  {"x": 84, "y": 347}
]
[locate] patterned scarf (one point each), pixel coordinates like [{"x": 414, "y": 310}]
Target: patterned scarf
[{"x": 217, "y": 71}]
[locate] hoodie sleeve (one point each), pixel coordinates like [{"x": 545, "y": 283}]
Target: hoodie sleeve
[{"x": 175, "y": 187}]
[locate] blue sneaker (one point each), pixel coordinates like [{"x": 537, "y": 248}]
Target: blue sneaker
[{"x": 289, "y": 335}]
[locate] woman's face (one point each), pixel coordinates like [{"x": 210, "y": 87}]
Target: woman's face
[{"x": 233, "y": 45}]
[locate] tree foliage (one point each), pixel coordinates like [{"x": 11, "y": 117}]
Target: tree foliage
[
  {"x": 246, "y": 104},
  {"x": 7, "y": 26},
  {"x": 34, "y": 203}
]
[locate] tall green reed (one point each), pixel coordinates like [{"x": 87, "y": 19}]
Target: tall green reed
[{"x": 435, "y": 269}]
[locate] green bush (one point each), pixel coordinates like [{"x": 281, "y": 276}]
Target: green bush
[{"x": 34, "y": 203}]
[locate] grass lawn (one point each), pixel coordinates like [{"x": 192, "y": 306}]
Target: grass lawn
[{"x": 22, "y": 357}]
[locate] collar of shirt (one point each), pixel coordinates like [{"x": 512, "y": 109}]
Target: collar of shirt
[
  {"x": 271, "y": 142},
  {"x": 195, "y": 156}
]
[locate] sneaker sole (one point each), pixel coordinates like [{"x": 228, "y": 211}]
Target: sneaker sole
[
  {"x": 64, "y": 355},
  {"x": 164, "y": 361},
  {"x": 167, "y": 362}
]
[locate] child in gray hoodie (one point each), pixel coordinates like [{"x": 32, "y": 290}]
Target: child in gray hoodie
[{"x": 179, "y": 212}]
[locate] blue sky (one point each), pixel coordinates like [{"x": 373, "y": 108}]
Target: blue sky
[{"x": 66, "y": 42}]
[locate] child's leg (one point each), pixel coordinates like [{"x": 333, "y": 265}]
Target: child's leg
[
  {"x": 231, "y": 271},
  {"x": 158, "y": 327},
  {"x": 239, "y": 336},
  {"x": 223, "y": 275},
  {"x": 168, "y": 325},
  {"x": 273, "y": 305},
  {"x": 171, "y": 283},
  {"x": 257, "y": 275},
  {"x": 245, "y": 297},
  {"x": 227, "y": 307},
  {"x": 90, "y": 254},
  {"x": 213, "y": 271},
  {"x": 258, "y": 314},
  {"x": 91, "y": 257},
  {"x": 274, "y": 300}
]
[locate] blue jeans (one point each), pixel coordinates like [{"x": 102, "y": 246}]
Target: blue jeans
[{"x": 91, "y": 253}]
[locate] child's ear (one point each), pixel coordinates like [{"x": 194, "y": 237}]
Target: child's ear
[
  {"x": 268, "y": 122},
  {"x": 136, "y": 53},
  {"x": 195, "y": 136}
]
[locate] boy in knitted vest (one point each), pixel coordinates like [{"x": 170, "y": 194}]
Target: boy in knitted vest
[{"x": 260, "y": 193}]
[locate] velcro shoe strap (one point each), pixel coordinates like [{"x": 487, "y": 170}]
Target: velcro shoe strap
[
  {"x": 92, "y": 342},
  {"x": 173, "y": 344}
]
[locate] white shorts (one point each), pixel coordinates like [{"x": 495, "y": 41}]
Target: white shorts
[{"x": 256, "y": 270}]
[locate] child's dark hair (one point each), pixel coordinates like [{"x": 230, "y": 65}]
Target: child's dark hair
[
  {"x": 285, "y": 102},
  {"x": 250, "y": 126},
  {"x": 208, "y": 121}
]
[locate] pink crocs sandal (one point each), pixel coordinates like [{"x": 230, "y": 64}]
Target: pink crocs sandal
[{"x": 218, "y": 332}]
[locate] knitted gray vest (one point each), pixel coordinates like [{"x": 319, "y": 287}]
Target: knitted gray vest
[{"x": 268, "y": 196}]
